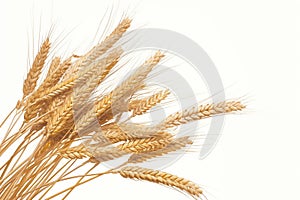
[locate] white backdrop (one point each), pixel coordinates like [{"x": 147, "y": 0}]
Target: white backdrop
[{"x": 255, "y": 46}]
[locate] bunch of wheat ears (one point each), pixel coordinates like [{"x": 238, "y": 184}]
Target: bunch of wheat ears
[{"x": 63, "y": 125}]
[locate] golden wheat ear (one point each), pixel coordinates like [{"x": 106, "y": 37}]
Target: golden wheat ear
[
  {"x": 200, "y": 112},
  {"x": 36, "y": 69},
  {"x": 173, "y": 146},
  {"x": 141, "y": 106},
  {"x": 163, "y": 178}
]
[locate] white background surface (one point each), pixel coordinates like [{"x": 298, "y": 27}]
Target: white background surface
[{"x": 254, "y": 44}]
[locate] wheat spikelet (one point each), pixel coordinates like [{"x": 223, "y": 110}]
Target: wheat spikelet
[
  {"x": 60, "y": 117},
  {"x": 53, "y": 66},
  {"x": 110, "y": 133},
  {"x": 175, "y": 145},
  {"x": 36, "y": 69},
  {"x": 136, "y": 130},
  {"x": 103, "y": 104},
  {"x": 115, "y": 109},
  {"x": 145, "y": 144},
  {"x": 110, "y": 136},
  {"x": 104, "y": 154},
  {"x": 31, "y": 112},
  {"x": 159, "y": 177},
  {"x": 52, "y": 106},
  {"x": 116, "y": 132},
  {"x": 201, "y": 112},
  {"x": 139, "y": 107},
  {"x": 78, "y": 152},
  {"x": 57, "y": 90}
]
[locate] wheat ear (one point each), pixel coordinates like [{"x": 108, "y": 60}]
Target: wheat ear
[
  {"x": 36, "y": 69},
  {"x": 109, "y": 41},
  {"x": 77, "y": 152},
  {"x": 159, "y": 177},
  {"x": 201, "y": 112},
  {"x": 139, "y": 107},
  {"x": 110, "y": 133},
  {"x": 175, "y": 145},
  {"x": 104, "y": 154},
  {"x": 115, "y": 132},
  {"x": 53, "y": 66},
  {"x": 145, "y": 144},
  {"x": 55, "y": 76}
]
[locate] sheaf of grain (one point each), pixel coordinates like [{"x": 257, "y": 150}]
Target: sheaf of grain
[{"x": 65, "y": 109}]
